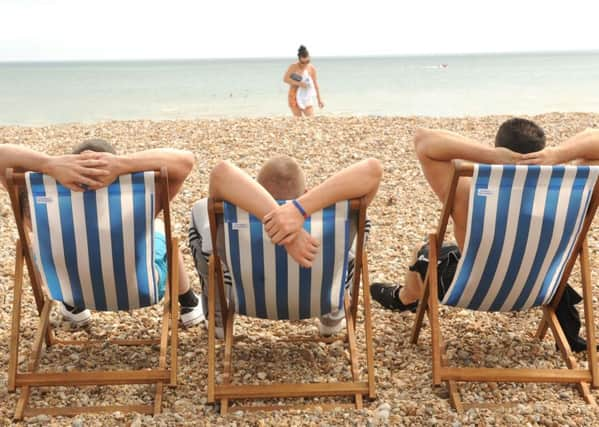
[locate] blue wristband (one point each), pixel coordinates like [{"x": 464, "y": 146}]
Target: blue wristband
[{"x": 300, "y": 208}]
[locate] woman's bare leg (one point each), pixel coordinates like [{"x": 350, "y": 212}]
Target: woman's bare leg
[{"x": 308, "y": 112}]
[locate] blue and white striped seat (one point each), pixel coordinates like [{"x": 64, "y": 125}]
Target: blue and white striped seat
[
  {"x": 268, "y": 283},
  {"x": 95, "y": 249},
  {"x": 523, "y": 224}
]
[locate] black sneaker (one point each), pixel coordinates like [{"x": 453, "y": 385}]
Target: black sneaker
[
  {"x": 192, "y": 315},
  {"x": 387, "y": 295}
]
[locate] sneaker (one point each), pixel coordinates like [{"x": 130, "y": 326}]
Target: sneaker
[
  {"x": 75, "y": 316},
  {"x": 387, "y": 295},
  {"x": 191, "y": 316},
  {"x": 327, "y": 326}
]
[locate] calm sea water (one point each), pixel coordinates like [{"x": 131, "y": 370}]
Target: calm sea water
[{"x": 45, "y": 93}]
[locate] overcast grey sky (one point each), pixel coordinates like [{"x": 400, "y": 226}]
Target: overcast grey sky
[{"x": 131, "y": 29}]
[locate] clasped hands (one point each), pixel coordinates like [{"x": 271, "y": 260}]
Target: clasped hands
[
  {"x": 88, "y": 170},
  {"x": 284, "y": 226}
]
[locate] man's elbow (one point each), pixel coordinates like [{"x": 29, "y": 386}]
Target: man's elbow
[
  {"x": 187, "y": 161},
  {"x": 375, "y": 170},
  {"x": 219, "y": 172},
  {"x": 421, "y": 139},
  {"x": 182, "y": 165}
]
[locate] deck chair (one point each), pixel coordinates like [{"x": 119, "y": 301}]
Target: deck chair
[
  {"x": 91, "y": 249},
  {"x": 527, "y": 225},
  {"x": 269, "y": 284}
]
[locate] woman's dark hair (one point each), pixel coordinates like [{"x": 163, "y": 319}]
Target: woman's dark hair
[
  {"x": 302, "y": 52},
  {"x": 520, "y": 135}
]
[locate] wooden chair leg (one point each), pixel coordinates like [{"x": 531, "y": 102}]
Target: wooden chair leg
[
  {"x": 589, "y": 321},
  {"x": 211, "y": 330},
  {"x": 36, "y": 352},
  {"x": 220, "y": 291},
  {"x": 433, "y": 304},
  {"x": 166, "y": 311},
  {"x": 452, "y": 386},
  {"x": 420, "y": 312},
  {"x": 368, "y": 329},
  {"x": 353, "y": 350},
  {"x": 13, "y": 361},
  {"x": 22, "y": 403},
  {"x": 158, "y": 399},
  {"x": 566, "y": 352},
  {"x": 228, "y": 366},
  {"x": 174, "y": 314},
  {"x": 542, "y": 328}
]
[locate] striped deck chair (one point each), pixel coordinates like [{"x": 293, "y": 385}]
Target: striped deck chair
[
  {"x": 91, "y": 249},
  {"x": 269, "y": 284},
  {"x": 526, "y": 227}
]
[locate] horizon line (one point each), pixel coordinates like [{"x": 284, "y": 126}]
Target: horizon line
[{"x": 398, "y": 55}]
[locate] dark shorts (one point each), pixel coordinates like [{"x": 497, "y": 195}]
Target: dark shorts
[{"x": 448, "y": 259}]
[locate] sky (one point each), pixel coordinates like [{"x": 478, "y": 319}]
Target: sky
[{"x": 55, "y": 30}]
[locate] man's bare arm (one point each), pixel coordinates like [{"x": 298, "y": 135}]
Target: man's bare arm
[
  {"x": 582, "y": 147},
  {"x": 72, "y": 171},
  {"x": 228, "y": 182},
  {"x": 178, "y": 163},
  {"x": 358, "y": 180},
  {"x": 437, "y": 148}
]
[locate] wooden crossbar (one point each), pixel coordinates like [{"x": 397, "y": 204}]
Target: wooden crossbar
[
  {"x": 78, "y": 378},
  {"x": 532, "y": 375},
  {"x": 73, "y": 411},
  {"x": 262, "y": 391}
]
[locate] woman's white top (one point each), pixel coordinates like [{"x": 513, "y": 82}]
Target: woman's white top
[{"x": 305, "y": 95}]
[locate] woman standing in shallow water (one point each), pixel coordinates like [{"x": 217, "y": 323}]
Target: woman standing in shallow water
[{"x": 303, "y": 85}]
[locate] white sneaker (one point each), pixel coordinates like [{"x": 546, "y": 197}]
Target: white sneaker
[
  {"x": 75, "y": 316},
  {"x": 327, "y": 327},
  {"x": 191, "y": 316}
]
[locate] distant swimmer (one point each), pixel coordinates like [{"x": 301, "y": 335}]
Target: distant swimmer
[
  {"x": 303, "y": 85},
  {"x": 444, "y": 65}
]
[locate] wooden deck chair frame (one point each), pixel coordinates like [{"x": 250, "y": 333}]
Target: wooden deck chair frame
[
  {"x": 31, "y": 378},
  {"x": 226, "y": 391},
  {"x": 429, "y": 304}
]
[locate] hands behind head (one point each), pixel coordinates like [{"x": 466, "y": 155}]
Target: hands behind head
[
  {"x": 284, "y": 226},
  {"x": 546, "y": 156},
  {"x": 86, "y": 170}
]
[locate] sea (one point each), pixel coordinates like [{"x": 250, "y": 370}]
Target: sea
[{"x": 43, "y": 93}]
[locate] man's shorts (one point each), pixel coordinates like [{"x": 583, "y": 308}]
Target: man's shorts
[
  {"x": 160, "y": 261},
  {"x": 448, "y": 259}
]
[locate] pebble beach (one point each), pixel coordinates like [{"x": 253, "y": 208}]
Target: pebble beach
[{"x": 404, "y": 210}]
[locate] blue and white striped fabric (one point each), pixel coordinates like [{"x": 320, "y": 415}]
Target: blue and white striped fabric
[
  {"x": 95, "y": 249},
  {"x": 522, "y": 226},
  {"x": 268, "y": 283}
]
